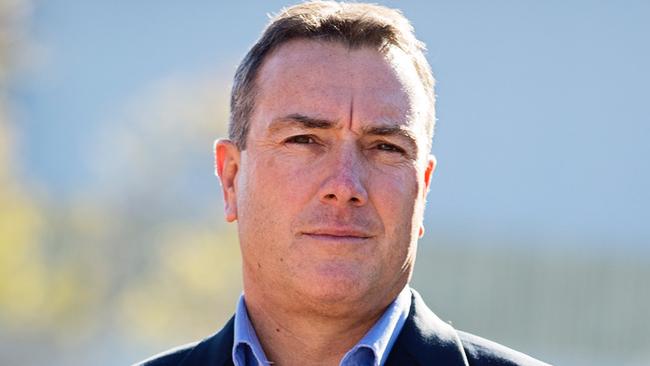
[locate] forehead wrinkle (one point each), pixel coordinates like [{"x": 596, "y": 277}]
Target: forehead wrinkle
[{"x": 351, "y": 116}]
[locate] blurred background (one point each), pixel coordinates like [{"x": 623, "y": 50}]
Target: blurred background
[{"x": 112, "y": 240}]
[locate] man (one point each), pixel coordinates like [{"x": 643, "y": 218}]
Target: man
[{"x": 326, "y": 173}]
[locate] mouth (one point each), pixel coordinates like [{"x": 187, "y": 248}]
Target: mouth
[{"x": 338, "y": 235}]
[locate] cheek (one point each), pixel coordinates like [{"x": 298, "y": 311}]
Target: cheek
[
  {"x": 395, "y": 197},
  {"x": 270, "y": 194},
  {"x": 397, "y": 188}
]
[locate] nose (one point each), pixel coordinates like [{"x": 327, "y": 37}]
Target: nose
[{"x": 344, "y": 181}]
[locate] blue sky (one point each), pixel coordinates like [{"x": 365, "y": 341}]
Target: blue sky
[{"x": 542, "y": 105}]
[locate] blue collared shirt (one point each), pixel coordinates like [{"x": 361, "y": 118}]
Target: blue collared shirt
[{"x": 372, "y": 349}]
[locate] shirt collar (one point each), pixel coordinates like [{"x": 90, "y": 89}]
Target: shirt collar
[
  {"x": 246, "y": 349},
  {"x": 374, "y": 347}
]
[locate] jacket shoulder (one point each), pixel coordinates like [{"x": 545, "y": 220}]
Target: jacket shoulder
[
  {"x": 171, "y": 357},
  {"x": 483, "y": 352},
  {"x": 214, "y": 350}
]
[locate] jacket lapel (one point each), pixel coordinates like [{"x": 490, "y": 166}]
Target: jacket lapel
[{"x": 426, "y": 340}]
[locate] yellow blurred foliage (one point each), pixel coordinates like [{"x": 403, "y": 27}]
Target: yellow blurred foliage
[
  {"x": 35, "y": 292},
  {"x": 191, "y": 291},
  {"x": 22, "y": 276}
]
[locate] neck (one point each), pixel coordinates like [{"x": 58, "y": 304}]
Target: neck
[{"x": 292, "y": 337}]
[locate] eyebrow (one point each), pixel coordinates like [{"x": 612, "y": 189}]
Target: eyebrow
[
  {"x": 393, "y": 130},
  {"x": 301, "y": 120},
  {"x": 320, "y": 123}
]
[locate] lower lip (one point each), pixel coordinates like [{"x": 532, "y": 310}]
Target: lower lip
[{"x": 337, "y": 239}]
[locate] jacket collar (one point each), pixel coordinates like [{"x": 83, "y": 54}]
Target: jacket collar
[{"x": 426, "y": 340}]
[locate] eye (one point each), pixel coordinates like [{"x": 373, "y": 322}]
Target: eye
[
  {"x": 300, "y": 139},
  {"x": 389, "y": 147}
]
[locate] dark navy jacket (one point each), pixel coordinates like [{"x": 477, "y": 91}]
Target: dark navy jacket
[{"x": 424, "y": 340}]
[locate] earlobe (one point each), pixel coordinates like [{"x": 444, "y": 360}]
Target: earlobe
[{"x": 226, "y": 161}]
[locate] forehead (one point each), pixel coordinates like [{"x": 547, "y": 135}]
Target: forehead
[{"x": 329, "y": 80}]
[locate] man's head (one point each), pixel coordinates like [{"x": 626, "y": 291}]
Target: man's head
[
  {"x": 328, "y": 176},
  {"x": 354, "y": 25}
]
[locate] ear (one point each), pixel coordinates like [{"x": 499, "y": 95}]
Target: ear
[
  {"x": 226, "y": 164},
  {"x": 428, "y": 172},
  {"x": 431, "y": 166}
]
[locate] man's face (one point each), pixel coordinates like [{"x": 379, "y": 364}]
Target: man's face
[{"x": 329, "y": 193}]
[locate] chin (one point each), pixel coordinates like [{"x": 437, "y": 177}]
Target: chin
[{"x": 332, "y": 285}]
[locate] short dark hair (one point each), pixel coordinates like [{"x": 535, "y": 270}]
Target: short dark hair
[{"x": 352, "y": 24}]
